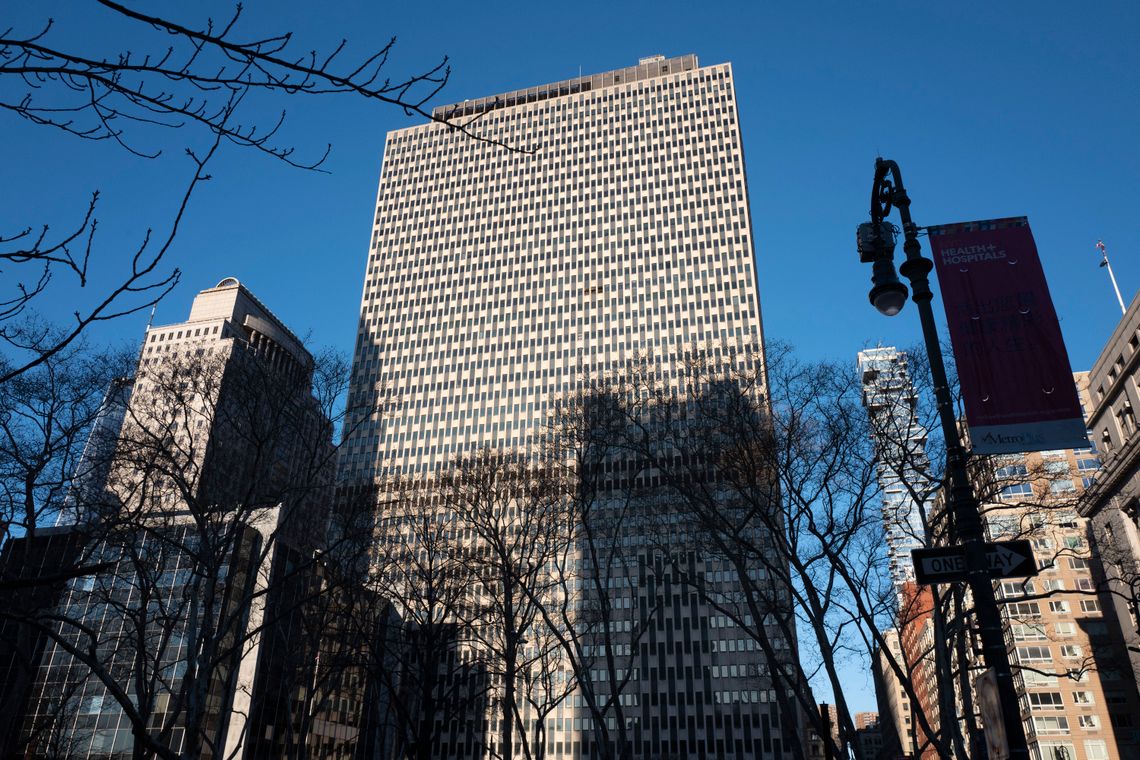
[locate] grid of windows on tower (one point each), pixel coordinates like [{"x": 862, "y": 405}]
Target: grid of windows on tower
[
  {"x": 578, "y": 231},
  {"x": 614, "y": 226}
]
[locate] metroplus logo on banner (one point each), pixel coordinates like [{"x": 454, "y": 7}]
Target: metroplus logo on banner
[{"x": 1017, "y": 385}]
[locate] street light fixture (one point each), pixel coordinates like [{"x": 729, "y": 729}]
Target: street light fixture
[
  {"x": 876, "y": 241},
  {"x": 877, "y": 247}
]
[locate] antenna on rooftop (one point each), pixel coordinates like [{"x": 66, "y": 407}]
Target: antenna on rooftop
[{"x": 1104, "y": 263}]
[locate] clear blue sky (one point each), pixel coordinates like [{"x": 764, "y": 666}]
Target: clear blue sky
[{"x": 991, "y": 109}]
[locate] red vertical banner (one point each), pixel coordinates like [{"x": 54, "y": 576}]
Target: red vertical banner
[{"x": 1014, "y": 372}]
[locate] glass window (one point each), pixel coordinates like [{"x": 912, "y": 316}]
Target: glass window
[
  {"x": 1023, "y": 610},
  {"x": 1046, "y": 700},
  {"x": 1035, "y": 680},
  {"x": 1096, "y": 749},
  {"x": 1017, "y": 588},
  {"x": 1062, "y": 486},
  {"x": 1051, "y": 724},
  {"x": 1054, "y": 750},
  {"x": 1022, "y": 632},
  {"x": 1034, "y": 654},
  {"x": 91, "y": 705}
]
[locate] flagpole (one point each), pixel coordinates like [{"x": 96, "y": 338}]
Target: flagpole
[{"x": 1104, "y": 263}]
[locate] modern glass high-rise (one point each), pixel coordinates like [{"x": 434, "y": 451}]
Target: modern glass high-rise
[
  {"x": 579, "y": 225},
  {"x": 900, "y": 437}
]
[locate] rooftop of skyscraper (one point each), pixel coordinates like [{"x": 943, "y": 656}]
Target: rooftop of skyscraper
[
  {"x": 646, "y": 68},
  {"x": 232, "y": 301}
]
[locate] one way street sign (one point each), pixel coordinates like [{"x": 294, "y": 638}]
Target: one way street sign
[{"x": 947, "y": 564}]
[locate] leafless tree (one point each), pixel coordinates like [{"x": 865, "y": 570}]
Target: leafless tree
[
  {"x": 53, "y": 423},
  {"x": 513, "y": 511},
  {"x": 772, "y": 469},
  {"x": 48, "y": 416},
  {"x": 221, "y": 475},
  {"x": 190, "y": 78},
  {"x": 1035, "y": 497},
  {"x": 1022, "y": 496},
  {"x": 432, "y": 675},
  {"x": 601, "y": 611},
  {"x": 46, "y": 421}
]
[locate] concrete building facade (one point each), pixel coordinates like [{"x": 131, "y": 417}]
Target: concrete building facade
[
  {"x": 211, "y": 506},
  {"x": 897, "y": 725},
  {"x": 582, "y": 227},
  {"x": 869, "y": 736},
  {"x": 1111, "y": 501},
  {"x": 1070, "y": 663},
  {"x": 498, "y": 279}
]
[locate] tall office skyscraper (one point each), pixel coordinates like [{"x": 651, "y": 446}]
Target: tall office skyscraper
[
  {"x": 209, "y": 491},
  {"x": 903, "y": 468},
  {"x": 499, "y": 280}
]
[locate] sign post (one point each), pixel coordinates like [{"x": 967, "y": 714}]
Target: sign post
[
  {"x": 888, "y": 294},
  {"x": 947, "y": 564},
  {"x": 989, "y": 705}
]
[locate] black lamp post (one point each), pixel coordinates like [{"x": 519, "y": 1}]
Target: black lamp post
[{"x": 876, "y": 246}]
